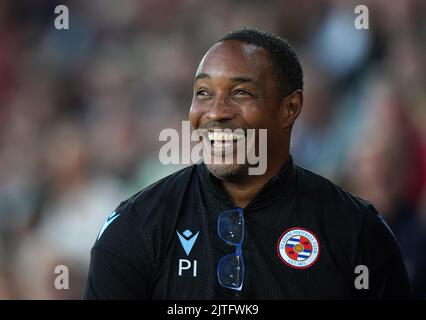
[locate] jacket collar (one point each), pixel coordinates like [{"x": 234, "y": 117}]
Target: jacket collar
[{"x": 279, "y": 185}]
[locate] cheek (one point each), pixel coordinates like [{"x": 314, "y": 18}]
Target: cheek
[
  {"x": 257, "y": 118},
  {"x": 194, "y": 116}
]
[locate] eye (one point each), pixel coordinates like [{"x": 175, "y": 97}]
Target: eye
[
  {"x": 202, "y": 93},
  {"x": 241, "y": 92}
]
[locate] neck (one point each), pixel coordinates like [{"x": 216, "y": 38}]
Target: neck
[{"x": 243, "y": 191}]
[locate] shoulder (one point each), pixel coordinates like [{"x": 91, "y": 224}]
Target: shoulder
[
  {"x": 164, "y": 192},
  {"x": 338, "y": 207},
  {"x": 321, "y": 189},
  {"x": 131, "y": 221},
  {"x": 350, "y": 222}
]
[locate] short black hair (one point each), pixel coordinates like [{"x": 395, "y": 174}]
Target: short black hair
[{"x": 287, "y": 69}]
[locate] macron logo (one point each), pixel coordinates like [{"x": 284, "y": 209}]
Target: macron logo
[
  {"x": 187, "y": 240},
  {"x": 110, "y": 219}
]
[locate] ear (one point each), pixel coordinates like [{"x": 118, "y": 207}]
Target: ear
[{"x": 291, "y": 106}]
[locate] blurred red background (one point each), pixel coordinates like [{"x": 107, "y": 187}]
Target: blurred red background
[{"x": 81, "y": 111}]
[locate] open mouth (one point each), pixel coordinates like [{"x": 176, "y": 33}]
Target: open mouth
[
  {"x": 220, "y": 139},
  {"x": 233, "y": 147}
]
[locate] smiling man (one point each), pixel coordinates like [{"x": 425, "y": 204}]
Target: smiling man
[
  {"x": 215, "y": 231},
  {"x": 242, "y": 85}
]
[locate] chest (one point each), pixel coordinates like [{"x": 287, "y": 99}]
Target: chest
[{"x": 284, "y": 255}]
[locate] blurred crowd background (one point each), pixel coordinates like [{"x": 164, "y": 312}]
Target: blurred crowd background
[{"x": 81, "y": 111}]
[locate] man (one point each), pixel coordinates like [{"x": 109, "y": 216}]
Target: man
[{"x": 214, "y": 231}]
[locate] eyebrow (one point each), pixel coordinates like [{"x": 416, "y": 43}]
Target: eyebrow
[
  {"x": 234, "y": 79},
  {"x": 202, "y": 76}
]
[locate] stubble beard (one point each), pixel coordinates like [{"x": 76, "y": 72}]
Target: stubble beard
[{"x": 227, "y": 171}]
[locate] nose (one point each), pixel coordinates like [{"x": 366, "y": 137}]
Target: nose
[{"x": 220, "y": 110}]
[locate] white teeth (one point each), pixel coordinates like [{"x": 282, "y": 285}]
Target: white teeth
[
  {"x": 221, "y": 136},
  {"x": 220, "y": 144}
]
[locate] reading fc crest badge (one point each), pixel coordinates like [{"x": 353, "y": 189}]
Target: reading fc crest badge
[{"x": 298, "y": 248}]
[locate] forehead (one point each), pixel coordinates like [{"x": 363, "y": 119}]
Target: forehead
[{"x": 234, "y": 58}]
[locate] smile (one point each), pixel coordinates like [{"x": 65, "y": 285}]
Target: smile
[{"x": 225, "y": 140}]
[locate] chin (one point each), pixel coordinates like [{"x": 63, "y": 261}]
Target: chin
[{"x": 226, "y": 171}]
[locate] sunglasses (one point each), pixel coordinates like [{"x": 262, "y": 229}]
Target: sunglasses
[{"x": 230, "y": 268}]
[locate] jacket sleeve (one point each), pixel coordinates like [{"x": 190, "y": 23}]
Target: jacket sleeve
[
  {"x": 121, "y": 260},
  {"x": 379, "y": 251}
]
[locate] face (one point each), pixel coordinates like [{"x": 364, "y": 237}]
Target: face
[{"x": 234, "y": 89}]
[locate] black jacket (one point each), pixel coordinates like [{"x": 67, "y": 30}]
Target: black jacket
[{"x": 140, "y": 253}]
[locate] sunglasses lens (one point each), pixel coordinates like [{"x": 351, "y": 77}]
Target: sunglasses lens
[
  {"x": 230, "y": 271},
  {"x": 231, "y": 227}
]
